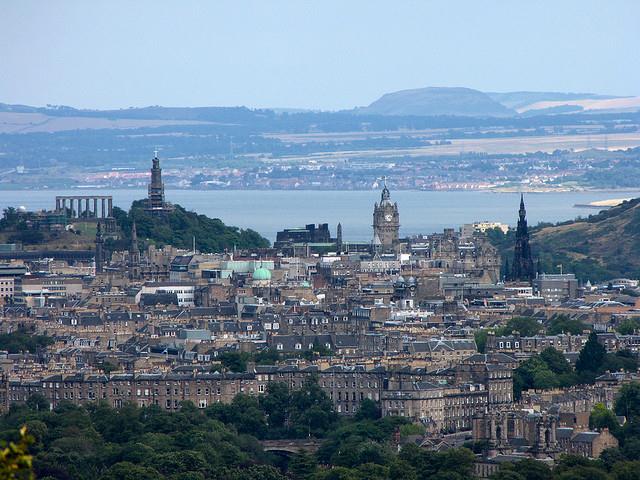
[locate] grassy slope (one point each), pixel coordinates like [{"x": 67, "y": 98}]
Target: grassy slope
[{"x": 604, "y": 245}]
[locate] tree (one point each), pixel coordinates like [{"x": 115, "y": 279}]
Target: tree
[
  {"x": 526, "y": 326},
  {"x": 583, "y": 473},
  {"x": 532, "y": 469},
  {"x": 480, "y": 337},
  {"x": 368, "y": 410},
  {"x": 620, "y": 360},
  {"x": 544, "y": 379},
  {"x": 234, "y": 361},
  {"x": 563, "y": 324},
  {"x": 275, "y": 404},
  {"x": 401, "y": 470},
  {"x": 506, "y": 474},
  {"x": 15, "y": 461},
  {"x": 311, "y": 410},
  {"x": 626, "y": 471},
  {"x": 591, "y": 356},
  {"x": 130, "y": 471},
  {"x": 629, "y": 326},
  {"x": 38, "y": 402},
  {"x": 107, "y": 367},
  {"x": 302, "y": 465},
  {"x": 555, "y": 360},
  {"x": 610, "y": 456},
  {"x": 533, "y": 373},
  {"x": 628, "y": 401},
  {"x": 601, "y": 417}
]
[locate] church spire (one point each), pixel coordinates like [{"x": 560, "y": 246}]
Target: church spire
[{"x": 522, "y": 213}]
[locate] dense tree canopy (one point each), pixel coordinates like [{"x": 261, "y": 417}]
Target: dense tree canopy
[
  {"x": 23, "y": 341},
  {"x": 180, "y": 227},
  {"x": 525, "y": 326},
  {"x": 219, "y": 442},
  {"x": 563, "y": 324}
]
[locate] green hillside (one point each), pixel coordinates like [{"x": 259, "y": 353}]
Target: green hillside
[
  {"x": 597, "y": 248},
  {"x": 179, "y": 227}
]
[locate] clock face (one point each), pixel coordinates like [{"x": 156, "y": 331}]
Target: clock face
[{"x": 388, "y": 217}]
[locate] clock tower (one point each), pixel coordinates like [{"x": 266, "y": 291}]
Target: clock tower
[{"x": 386, "y": 222}]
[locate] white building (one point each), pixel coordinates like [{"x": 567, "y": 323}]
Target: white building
[{"x": 183, "y": 290}]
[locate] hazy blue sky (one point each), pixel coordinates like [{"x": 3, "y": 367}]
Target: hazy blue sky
[{"x": 322, "y": 54}]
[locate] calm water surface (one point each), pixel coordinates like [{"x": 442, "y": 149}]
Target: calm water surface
[{"x": 270, "y": 211}]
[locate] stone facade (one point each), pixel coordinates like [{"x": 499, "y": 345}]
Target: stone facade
[{"x": 386, "y": 223}]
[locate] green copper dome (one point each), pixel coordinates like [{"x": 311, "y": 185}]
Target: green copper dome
[{"x": 261, "y": 273}]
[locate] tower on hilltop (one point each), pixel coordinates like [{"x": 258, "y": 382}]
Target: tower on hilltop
[
  {"x": 155, "y": 198},
  {"x": 522, "y": 267},
  {"x": 386, "y": 222}
]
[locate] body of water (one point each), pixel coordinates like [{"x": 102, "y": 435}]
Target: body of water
[{"x": 270, "y": 211}]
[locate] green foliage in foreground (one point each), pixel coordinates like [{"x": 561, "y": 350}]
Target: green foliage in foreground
[
  {"x": 179, "y": 227},
  {"x": 97, "y": 442},
  {"x": 15, "y": 460}
]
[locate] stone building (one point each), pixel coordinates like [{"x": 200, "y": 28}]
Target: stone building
[
  {"x": 522, "y": 267},
  {"x": 539, "y": 434},
  {"x": 156, "y": 204},
  {"x": 386, "y": 223}
]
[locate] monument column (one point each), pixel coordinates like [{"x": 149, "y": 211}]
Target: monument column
[
  {"x": 95, "y": 207},
  {"x": 103, "y": 207},
  {"x": 110, "y": 209}
]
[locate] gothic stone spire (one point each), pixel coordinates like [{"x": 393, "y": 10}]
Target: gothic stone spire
[{"x": 522, "y": 267}]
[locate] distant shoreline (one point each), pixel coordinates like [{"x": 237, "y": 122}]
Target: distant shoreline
[{"x": 25, "y": 188}]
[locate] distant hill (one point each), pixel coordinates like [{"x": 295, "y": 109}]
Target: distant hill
[
  {"x": 431, "y": 106},
  {"x": 433, "y": 101},
  {"x": 518, "y": 100},
  {"x": 438, "y": 101}
]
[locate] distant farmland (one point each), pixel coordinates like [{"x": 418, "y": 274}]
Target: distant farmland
[{"x": 527, "y": 144}]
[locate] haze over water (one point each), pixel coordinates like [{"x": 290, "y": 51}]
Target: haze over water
[{"x": 270, "y": 211}]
